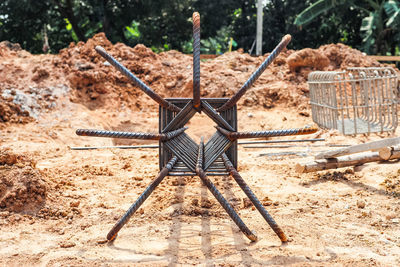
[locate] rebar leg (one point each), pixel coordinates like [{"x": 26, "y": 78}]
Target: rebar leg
[
  {"x": 146, "y": 193},
  {"x": 228, "y": 208},
  {"x": 246, "y": 189},
  {"x": 196, "y": 60}
]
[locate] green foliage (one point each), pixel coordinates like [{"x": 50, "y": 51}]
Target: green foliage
[
  {"x": 69, "y": 28},
  {"x": 368, "y": 28},
  {"x": 316, "y": 9},
  {"x": 376, "y": 38},
  {"x": 371, "y": 25}
]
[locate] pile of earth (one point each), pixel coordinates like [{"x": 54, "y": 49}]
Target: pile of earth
[
  {"x": 96, "y": 84},
  {"x": 22, "y": 186}
]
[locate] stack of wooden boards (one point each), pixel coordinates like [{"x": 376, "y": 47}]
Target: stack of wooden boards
[{"x": 375, "y": 151}]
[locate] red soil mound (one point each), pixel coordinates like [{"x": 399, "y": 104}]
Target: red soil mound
[
  {"x": 95, "y": 83},
  {"x": 22, "y": 187}
]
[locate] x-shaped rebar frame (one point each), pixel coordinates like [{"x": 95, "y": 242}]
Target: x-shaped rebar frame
[{"x": 189, "y": 158}]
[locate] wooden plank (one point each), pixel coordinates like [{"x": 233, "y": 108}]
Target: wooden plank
[
  {"x": 375, "y": 145},
  {"x": 345, "y": 161},
  {"x": 386, "y": 58},
  {"x": 387, "y": 152}
]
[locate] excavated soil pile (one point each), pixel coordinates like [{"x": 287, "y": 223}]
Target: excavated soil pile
[
  {"x": 170, "y": 73},
  {"x": 22, "y": 187},
  {"x": 11, "y": 112},
  {"x": 95, "y": 83}
]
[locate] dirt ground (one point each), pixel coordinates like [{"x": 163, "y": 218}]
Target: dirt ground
[{"x": 57, "y": 204}]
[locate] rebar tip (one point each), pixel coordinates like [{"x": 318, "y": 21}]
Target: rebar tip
[
  {"x": 196, "y": 18},
  {"x": 252, "y": 237},
  {"x": 100, "y": 50},
  {"x": 287, "y": 38}
]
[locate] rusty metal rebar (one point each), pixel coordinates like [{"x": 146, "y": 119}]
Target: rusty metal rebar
[
  {"x": 224, "y": 203},
  {"x": 200, "y": 156},
  {"x": 270, "y": 133},
  {"x": 135, "y": 80},
  {"x": 236, "y": 97},
  {"x": 196, "y": 61},
  {"x": 146, "y": 193},
  {"x": 130, "y": 135},
  {"x": 253, "y": 198},
  {"x": 217, "y": 118}
]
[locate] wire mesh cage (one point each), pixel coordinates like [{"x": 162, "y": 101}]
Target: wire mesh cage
[{"x": 355, "y": 101}]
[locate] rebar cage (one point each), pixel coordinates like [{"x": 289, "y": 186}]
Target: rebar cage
[
  {"x": 181, "y": 155},
  {"x": 355, "y": 101},
  {"x": 165, "y": 154}
]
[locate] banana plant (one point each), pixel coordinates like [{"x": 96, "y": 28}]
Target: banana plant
[{"x": 382, "y": 20}]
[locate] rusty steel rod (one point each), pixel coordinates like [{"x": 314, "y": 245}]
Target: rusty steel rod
[
  {"x": 224, "y": 203},
  {"x": 253, "y": 198},
  {"x": 236, "y": 97},
  {"x": 270, "y": 133},
  {"x": 146, "y": 193},
  {"x": 196, "y": 61},
  {"x": 200, "y": 156},
  {"x": 130, "y": 135},
  {"x": 112, "y": 147},
  {"x": 135, "y": 80}
]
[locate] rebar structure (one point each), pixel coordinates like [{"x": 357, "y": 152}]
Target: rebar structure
[
  {"x": 355, "y": 101},
  {"x": 180, "y": 155}
]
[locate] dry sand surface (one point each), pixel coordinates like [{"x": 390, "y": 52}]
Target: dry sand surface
[{"x": 57, "y": 204}]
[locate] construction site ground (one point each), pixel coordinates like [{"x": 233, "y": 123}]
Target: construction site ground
[{"x": 57, "y": 204}]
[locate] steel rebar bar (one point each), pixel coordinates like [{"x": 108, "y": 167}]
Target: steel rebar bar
[
  {"x": 280, "y": 141},
  {"x": 270, "y": 133},
  {"x": 135, "y": 80},
  {"x": 224, "y": 203},
  {"x": 112, "y": 147},
  {"x": 130, "y": 135},
  {"x": 236, "y": 97},
  {"x": 146, "y": 193},
  {"x": 253, "y": 198},
  {"x": 196, "y": 61}
]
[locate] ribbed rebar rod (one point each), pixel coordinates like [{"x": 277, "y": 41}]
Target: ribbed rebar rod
[
  {"x": 146, "y": 193},
  {"x": 196, "y": 60},
  {"x": 130, "y": 135},
  {"x": 228, "y": 208},
  {"x": 271, "y": 133},
  {"x": 200, "y": 156},
  {"x": 217, "y": 118},
  {"x": 236, "y": 97},
  {"x": 135, "y": 80},
  {"x": 253, "y": 198},
  {"x": 224, "y": 203}
]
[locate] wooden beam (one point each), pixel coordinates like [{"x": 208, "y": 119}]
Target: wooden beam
[
  {"x": 341, "y": 162},
  {"x": 385, "y": 58},
  {"x": 375, "y": 145},
  {"x": 387, "y": 152}
]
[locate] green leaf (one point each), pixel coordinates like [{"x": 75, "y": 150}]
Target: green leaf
[
  {"x": 368, "y": 26},
  {"x": 316, "y": 9},
  {"x": 392, "y": 9}
]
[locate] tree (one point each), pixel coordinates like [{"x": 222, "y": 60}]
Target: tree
[{"x": 341, "y": 25}]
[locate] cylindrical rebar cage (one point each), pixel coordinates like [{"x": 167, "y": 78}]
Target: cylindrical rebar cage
[{"x": 355, "y": 101}]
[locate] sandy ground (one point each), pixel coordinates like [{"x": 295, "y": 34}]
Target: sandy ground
[
  {"x": 57, "y": 205},
  {"x": 88, "y": 191}
]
